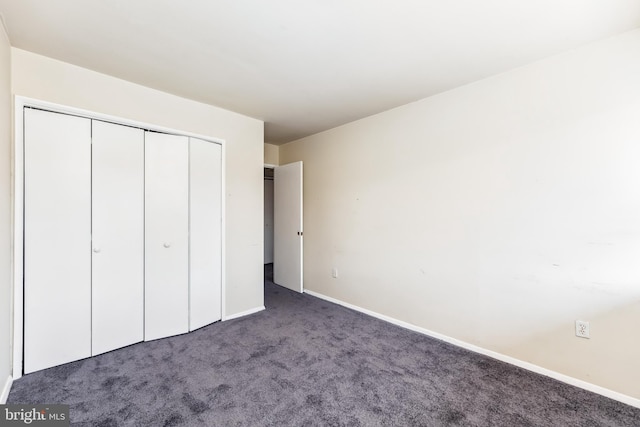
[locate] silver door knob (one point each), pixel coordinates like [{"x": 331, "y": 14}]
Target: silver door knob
[
  {"x": 167, "y": 245},
  {"x": 96, "y": 250}
]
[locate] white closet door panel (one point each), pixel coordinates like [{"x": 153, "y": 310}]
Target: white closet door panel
[
  {"x": 118, "y": 236},
  {"x": 57, "y": 239},
  {"x": 205, "y": 179},
  {"x": 166, "y": 235}
]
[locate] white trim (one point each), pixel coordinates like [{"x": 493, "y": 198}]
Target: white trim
[
  {"x": 632, "y": 401},
  {"x": 301, "y": 226},
  {"x": 20, "y": 103},
  {"x": 5, "y": 390},
  {"x": 65, "y": 109},
  {"x": 223, "y": 233},
  {"x": 18, "y": 235},
  {"x": 243, "y": 313},
  {"x": 270, "y": 166}
]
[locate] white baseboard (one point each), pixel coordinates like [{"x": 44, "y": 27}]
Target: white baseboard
[
  {"x": 495, "y": 355},
  {"x": 244, "y": 313},
  {"x": 5, "y": 390}
]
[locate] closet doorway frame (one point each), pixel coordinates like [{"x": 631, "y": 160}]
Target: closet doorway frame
[
  {"x": 17, "y": 251},
  {"x": 272, "y": 167}
]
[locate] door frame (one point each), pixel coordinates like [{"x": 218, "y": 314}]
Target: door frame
[
  {"x": 266, "y": 166},
  {"x": 17, "y": 200}
]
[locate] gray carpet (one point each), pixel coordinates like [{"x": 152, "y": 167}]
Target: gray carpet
[{"x": 307, "y": 362}]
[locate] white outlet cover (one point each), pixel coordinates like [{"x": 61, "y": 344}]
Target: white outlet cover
[{"x": 582, "y": 329}]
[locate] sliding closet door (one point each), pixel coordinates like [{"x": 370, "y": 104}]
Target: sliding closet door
[
  {"x": 57, "y": 239},
  {"x": 205, "y": 176},
  {"x": 166, "y": 235},
  {"x": 118, "y": 236}
]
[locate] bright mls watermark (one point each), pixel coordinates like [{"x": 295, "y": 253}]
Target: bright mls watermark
[{"x": 34, "y": 415}]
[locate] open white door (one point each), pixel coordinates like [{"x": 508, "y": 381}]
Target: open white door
[{"x": 287, "y": 232}]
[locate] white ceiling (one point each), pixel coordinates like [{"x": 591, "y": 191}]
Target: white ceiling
[{"x": 304, "y": 66}]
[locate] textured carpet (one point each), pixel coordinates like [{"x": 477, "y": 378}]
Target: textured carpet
[{"x": 307, "y": 362}]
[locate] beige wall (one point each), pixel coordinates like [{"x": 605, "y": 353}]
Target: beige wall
[
  {"x": 46, "y": 79},
  {"x": 271, "y": 154},
  {"x": 5, "y": 207},
  {"x": 496, "y": 214}
]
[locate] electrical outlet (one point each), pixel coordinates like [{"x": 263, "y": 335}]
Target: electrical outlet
[
  {"x": 582, "y": 329},
  {"x": 334, "y": 273}
]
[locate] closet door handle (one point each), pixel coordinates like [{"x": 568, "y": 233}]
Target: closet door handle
[
  {"x": 167, "y": 244},
  {"x": 96, "y": 250}
]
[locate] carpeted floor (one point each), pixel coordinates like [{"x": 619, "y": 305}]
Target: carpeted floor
[{"x": 306, "y": 362}]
